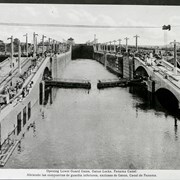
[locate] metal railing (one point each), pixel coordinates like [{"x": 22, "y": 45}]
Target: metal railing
[
  {"x": 20, "y": 90},
  {"x": 170, "y": 78},
  {"x": 14, "y": 71}
]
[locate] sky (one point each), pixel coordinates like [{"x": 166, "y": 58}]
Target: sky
[{"x": 113, "y": 15}]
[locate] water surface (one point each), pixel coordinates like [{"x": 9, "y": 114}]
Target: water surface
[{"x": 111, "y": 128}]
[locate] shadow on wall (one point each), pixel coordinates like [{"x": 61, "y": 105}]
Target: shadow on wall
[
  {"x": 82, "y": 51},
  {"x": 167, "y": 99}
]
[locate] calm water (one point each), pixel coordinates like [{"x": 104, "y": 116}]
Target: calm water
[{"x": 110, "y": 128}]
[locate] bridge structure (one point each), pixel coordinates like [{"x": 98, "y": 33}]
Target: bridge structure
[{"x": 161, "y": 77}]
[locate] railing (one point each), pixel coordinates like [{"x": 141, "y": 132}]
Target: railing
[
  {"x": 23, "y": 86},
  {"x": 14, "y": 70},
  {"x": 164, "y": 73},
  {"x": 7, "y": 146}
]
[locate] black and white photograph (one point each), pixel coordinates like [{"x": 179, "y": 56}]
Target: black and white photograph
[{"x": 89, "y": 86}]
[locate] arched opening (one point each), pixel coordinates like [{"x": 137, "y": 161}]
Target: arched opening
[
  {"x": 167, "y": 99},
  {"x": 141, "y": 73},
  {"x": 46, "y": 74},
  {"x": 43, "y": 89}
]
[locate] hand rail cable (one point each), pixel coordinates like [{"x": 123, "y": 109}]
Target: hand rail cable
[{"x": 75, "y": 25}]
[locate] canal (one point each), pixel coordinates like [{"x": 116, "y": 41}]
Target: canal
[{"x": 111, "y": 128}]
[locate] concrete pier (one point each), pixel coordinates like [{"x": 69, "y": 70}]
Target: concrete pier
[{"x": 127, "y": 67}]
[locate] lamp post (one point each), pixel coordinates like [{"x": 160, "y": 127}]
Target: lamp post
[
  {"x": 95, "y": 43},
  {"x": 5, "y": 48},
  {"x": 119, "y": 45},
  {"x": 175, "y": 55},
  {"x": 49, "y": 44},
  {"x": 43, "y": 36},
  {"x": 110, "y": 46},
  {"x": 56, "y": 47},
  {"x": 98, "y": 47},
  {"x": 102, "y": 47},
  {"x": 94, "y": 38},
  {"x": 37, "y": 48},
  {"x": 59, "y": 46},
  {"x": 114, "y": 45},
  {"x": 34, "y": 43},
  {"x": 12, "y": 52},
  {"x": 126, "y": 44},
  {"x": 107, "y": 48},
  {"x": 136, "y": 42},
  {"x": 19, "y": 57},
  {"x": 26, "y": 35},
  {"x": 53, "y": 45}
]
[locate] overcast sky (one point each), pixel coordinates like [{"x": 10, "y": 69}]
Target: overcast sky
[{"x": 91, "y": 15}]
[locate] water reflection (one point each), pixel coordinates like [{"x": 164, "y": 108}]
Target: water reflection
[
  {"x": 176, "y": 128},
  {"x": 48, "y": 96},
  {"x": 150, "y": 101}
]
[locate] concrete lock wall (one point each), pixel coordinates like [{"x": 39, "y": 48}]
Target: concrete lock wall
[
  {"x": 112, "y": 62},
  {"x": 128, "y": 67},
  {"x": 9, "y": 116},
  {"x": 9, "y": 120},
  {"x": 100, "y": 57},
  {"x": 120, "y": 64},
  {"x": 59, "y": 64}
]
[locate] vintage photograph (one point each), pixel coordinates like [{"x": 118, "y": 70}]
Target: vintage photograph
[{"x": 89, "y": 86}]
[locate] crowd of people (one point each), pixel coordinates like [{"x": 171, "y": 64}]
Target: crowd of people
[
  {"x": 12, "y": 89},
  {"x": 149, "y": 57}
]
